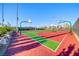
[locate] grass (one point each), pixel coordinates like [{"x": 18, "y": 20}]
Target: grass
[{"x": 47, "y": 43}]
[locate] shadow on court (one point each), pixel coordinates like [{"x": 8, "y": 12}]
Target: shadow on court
[
  {"x": 68, "y": 51},
  {"x": 11, "y": 51},
  {"x": 76, "y": 53},
  {"x": 55, "y": 35}
]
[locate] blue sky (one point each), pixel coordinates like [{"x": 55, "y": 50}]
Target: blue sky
[{"x": 41, "y": 14}]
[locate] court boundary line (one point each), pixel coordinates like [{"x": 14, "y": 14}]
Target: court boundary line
[
  {"x": 51, "y": 40},
  {"x": 76, "y": 36},
  {"x": 61, "y": 42},
  {"x": 43, "y": 44}
]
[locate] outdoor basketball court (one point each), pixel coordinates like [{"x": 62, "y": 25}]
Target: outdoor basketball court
[
  {"x": 47, "y": 37},
  {"x": 50, "y": 40}
]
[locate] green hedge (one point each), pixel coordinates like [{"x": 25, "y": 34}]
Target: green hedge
[{"x": 4, "y": 30}]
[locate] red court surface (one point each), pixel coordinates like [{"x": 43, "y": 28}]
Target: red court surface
[
  {"x": 24, "y": 46},
  {"x": 56, "y": 36}
]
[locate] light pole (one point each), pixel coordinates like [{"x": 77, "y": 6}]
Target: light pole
[
  {"x": 17, "y": 18},
  {"x": 28, "y": 21},
  {"x": 2, "y": 14},
  {"x": 70, "y": 25}
]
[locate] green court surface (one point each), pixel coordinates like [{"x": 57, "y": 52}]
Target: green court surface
[{"x": 45, "y": 42}]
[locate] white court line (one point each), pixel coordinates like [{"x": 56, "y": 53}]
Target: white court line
[
  {"x": 50, "y": 48},
  {"x": 76, "y": 36},
  {"x": 61, "y": 42},
  {"x": 58, "y": 45}
]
